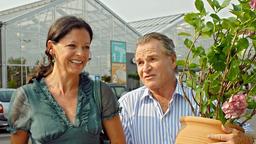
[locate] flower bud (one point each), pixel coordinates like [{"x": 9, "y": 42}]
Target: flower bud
[
  {"x": 235, "y": 106},
  {"x": 253, "y": 4}
]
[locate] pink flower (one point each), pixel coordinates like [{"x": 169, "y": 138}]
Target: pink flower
[
  {"x": 253, "y": 4},
  {"x": 235, "y": 107}
]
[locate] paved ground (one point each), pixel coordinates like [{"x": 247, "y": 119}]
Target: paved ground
[{"x": 4, "y": 138}]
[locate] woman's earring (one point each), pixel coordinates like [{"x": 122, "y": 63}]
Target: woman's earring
[
  {"x": 53, "y": 57},
  {"x": 50, "y": 51},
  {"x": 90, "y": 56}
]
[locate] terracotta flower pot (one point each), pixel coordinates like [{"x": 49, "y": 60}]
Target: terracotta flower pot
[{"x": 195, "y": 130}]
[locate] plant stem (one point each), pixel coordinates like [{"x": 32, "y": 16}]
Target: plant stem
[
  {"x": 182, "y": 75},
  {"x": 223, "y": 88},
  {"x": 186, "y": 97}
]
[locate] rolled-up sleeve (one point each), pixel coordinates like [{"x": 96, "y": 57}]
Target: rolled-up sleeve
[
  {"x": 19, "y": 112},
  {"x": 110, "y": 106}
]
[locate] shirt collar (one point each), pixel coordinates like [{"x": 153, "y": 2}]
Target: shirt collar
[{"x": 178, "y": 91}]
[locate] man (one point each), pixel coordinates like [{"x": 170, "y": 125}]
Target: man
[{"x": 150, "y": 114}]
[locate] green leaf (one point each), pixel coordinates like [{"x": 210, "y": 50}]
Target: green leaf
[
  {"x": 248, "y": 15},
  {"x": 203, "y": 62},
  {"x": 230, "y": 23},
  {"x": 252, "y": 14},
  {"x": 236, "y": 7},
  {"x": 239, "y": 14},
  {"x": 242, "y": 44},
  {"x": 184, "y": 34},
  {"x": 200, "y": 6},
  {"x": 191, "y": 83},
  {"x": 193, "y": 66},
  {"x": 199, "y": 51},
  {"x": 191, "y": 18},
  {"x": 251, "y": 102},
  {"x": 210, "y": 2},
  {"x": 225, "y": 3},
  {"x": 217, "y": 60},
  {"x": 199, "y": 93},
  {"x": 214, "y": 86},
  {"x": 180, "y": 62},
  {"x": 252, "y": 91},
  {"x": 208, "y": 29},
  {"x": 249, "y": 78},
  {"x": 209, "y": 26},
  {"x": 226, "y": 24},
  {"x": 203, "y": 108},
  {"x": 221, "y": 116},
  {"x": 234, "y": 21},
  {"x": 189, "y": 44},
  {"x": 233, "y": 71},
  {"x": 215, "y": 17},
  {"x": 195, "y": 20},
  {"x": 216, "y": 4},
  {"x": 225, "y": 44}
]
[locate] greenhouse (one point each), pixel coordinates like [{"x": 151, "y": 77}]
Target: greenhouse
[
  {"x": 24, "y": 30},
  {"x": 171, "y": 26}
]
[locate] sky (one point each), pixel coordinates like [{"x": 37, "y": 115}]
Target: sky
[{"x": 130, "y": 10}]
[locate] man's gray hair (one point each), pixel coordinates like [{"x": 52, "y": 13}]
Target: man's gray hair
[{"x": 166, "y": 42}]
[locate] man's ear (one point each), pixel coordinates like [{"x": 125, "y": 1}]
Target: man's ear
[{"x": 172, "y": 58}]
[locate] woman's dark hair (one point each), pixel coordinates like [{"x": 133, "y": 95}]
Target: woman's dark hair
[{"x": 60, "y": 28}]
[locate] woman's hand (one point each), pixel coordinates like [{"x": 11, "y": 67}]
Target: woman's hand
[
  {"x": 19, "y": 137},
  {"x": 114, "y": 130},
  {"x": 232, "y": 136}
]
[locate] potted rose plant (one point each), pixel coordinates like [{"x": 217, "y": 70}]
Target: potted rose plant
[{"x": 225, "y": 84}]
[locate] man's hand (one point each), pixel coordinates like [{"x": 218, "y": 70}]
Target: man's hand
[{"x": 232, "y": 136}]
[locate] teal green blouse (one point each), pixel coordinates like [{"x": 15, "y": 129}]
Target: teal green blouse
[{"x": 39, "y": 114}]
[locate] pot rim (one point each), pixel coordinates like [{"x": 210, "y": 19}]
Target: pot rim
[{"x": 200, "y": 119}]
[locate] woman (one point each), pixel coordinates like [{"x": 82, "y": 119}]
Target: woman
[{"x": 60, "y": 105}]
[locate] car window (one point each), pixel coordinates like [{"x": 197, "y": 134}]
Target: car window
[
  {"x": 113, "y": 90},
  {"x": 120, "y": 91},
  {"x": 5, "y": 96}
]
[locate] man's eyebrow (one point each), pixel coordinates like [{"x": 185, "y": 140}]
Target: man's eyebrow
[{"x": 153, "y": 55}]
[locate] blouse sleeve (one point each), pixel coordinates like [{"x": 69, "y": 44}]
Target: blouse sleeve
[
  {"x": 19, "y": 112},
  {"x": 110, "y": 106}
]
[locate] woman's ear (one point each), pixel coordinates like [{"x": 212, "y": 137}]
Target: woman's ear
[{"x": 50, "y": 46}]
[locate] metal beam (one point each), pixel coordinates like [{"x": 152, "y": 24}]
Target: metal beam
[
  {"x": 3, "y": 55},
  {"x": 37, "y": 11}
]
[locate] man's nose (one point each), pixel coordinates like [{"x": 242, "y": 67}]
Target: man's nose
[{"x": 147, "y": 67}]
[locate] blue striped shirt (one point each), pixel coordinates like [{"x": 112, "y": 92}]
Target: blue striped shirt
[{"x": 144, "y": 121}]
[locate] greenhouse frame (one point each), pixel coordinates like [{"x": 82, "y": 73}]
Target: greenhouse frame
[{"x": 24, "y": 30}]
